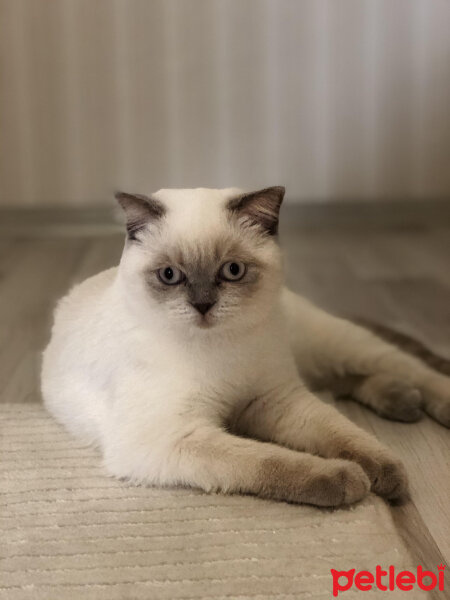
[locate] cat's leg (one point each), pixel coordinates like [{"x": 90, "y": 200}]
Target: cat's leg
[
  {"x": 335, "y": 353},
  {"x": 209, "y": 458},
  {"x": 293, "y": 417}
]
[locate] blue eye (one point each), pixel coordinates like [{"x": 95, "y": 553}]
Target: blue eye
[
  {"x": 232, "y": 271},
  {"x": 170, "y": 275}
]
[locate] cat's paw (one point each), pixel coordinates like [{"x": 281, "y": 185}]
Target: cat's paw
[
  {"x": 442, "y": 413},
  {"x": 394, "y": 399},
  {"x": 342, "y": 482},
  {"x": 401, "y": 402},
  {"x": 437, "y": 399},
  {"x": 386, "y": 473}
]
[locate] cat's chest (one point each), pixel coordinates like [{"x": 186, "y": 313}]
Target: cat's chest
[
  {"x": 186, "y": 377},
  {"x": 228, "y": 369},
  {"x": 233, "y": 367}
]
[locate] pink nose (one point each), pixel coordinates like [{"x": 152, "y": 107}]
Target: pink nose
[{"x": 203, "y": 307}]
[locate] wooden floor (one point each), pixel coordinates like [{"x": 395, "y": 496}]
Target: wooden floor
[{"x": 396, "y": 274}]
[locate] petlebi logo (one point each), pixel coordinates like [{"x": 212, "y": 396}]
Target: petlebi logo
[{"x": 388, "y": 580}]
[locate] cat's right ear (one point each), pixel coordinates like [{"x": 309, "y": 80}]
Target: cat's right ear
[{"x": 139, "y": 210}]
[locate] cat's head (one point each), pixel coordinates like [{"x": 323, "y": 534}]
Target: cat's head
[{"x": 202, "y": 259}]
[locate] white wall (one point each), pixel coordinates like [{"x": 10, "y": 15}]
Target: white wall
[{"x": 333, "y": 98}]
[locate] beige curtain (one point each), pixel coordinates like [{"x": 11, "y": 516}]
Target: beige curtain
[{"x": 335, "y": 99}]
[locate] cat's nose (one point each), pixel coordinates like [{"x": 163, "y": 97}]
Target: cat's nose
[{"x": 203, "y": 307}]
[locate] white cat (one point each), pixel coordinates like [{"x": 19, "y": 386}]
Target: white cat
[{"x": 183, "y": 363}]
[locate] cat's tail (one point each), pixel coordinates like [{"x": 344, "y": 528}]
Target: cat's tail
[{"x": 408, "y": 344}]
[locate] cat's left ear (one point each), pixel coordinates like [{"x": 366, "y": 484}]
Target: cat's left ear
[
  {"x": 139, "y": 210},
  {"x": 261, "y": 208}
]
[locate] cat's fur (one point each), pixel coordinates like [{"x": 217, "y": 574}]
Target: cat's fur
[{"x": 215, "y": 400}]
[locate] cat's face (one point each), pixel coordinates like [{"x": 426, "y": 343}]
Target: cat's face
[{"x": 202, "y": 259}]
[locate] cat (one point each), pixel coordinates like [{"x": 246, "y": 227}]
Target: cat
[{"x": 191, "y": 364}]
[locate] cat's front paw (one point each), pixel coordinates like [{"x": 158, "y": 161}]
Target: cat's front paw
[
  {"x": 342, "y": 482},
  {"x": 386, "y": 473},
  {"x": 313, "y": 480}
]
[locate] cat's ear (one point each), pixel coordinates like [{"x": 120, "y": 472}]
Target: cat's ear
[
  {"x": 260, "y": 208},
  {"x": 139, "y": 210}
]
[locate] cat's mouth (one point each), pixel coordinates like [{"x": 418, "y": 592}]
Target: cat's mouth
[
  {"x": 204, "y": 317},
  {"x": 205, "y": 321}
]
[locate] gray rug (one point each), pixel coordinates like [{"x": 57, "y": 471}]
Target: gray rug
[{"x": 69, "y": 531}]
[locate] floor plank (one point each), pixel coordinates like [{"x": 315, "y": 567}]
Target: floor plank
[{"x": 35, "y": 273}]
